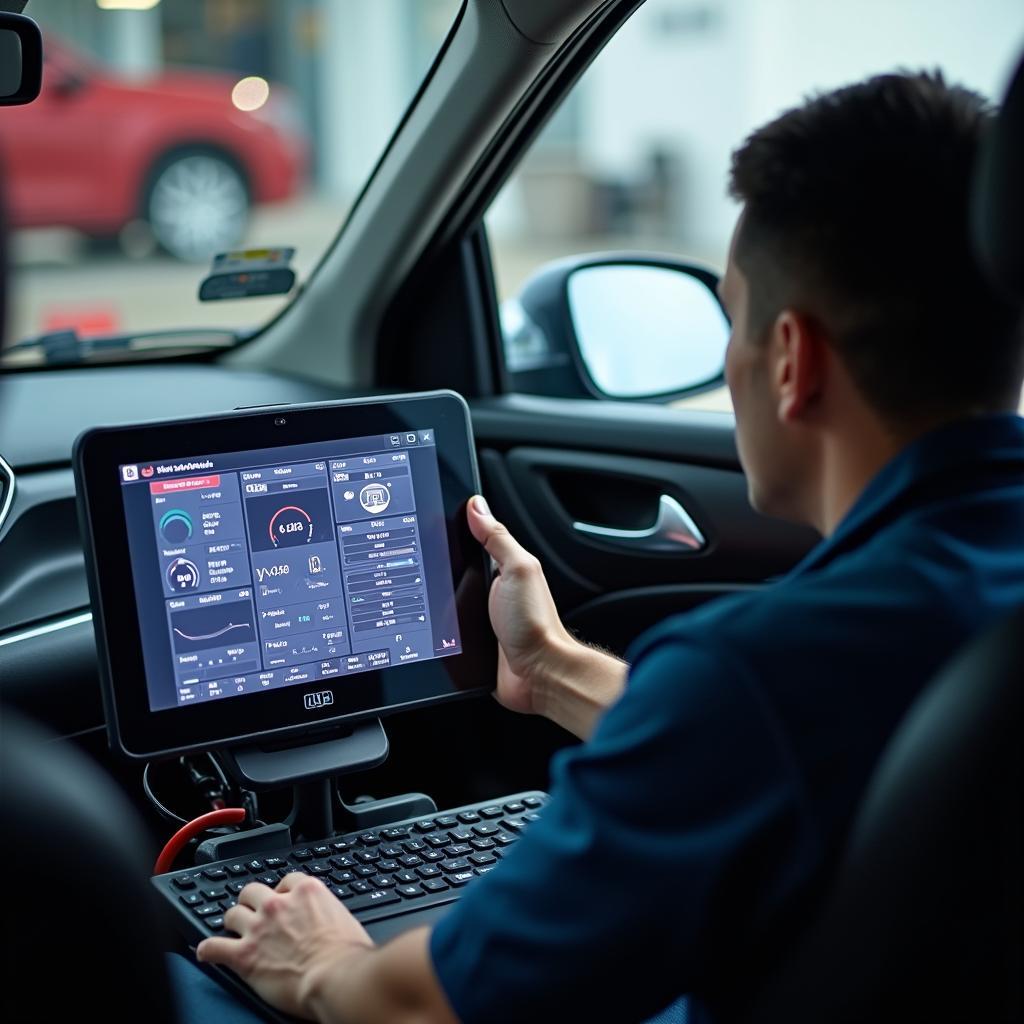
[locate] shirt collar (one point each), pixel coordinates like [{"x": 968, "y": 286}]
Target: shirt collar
[{"x": 973, "y": 442}]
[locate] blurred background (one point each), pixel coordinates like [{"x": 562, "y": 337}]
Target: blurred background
[{"x": 172, "y": 129}]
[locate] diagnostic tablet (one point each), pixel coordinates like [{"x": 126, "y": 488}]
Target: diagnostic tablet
[{"x": 273, "y": 571}]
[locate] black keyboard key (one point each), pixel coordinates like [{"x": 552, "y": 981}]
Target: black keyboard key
[
  {"x": 460, "y": 878},
  {"x": 215, "y": 874},
  {"x": 428, "y": 871},
  {"x": 369, "y": 839},
  {"x": 482, "y": 844},
  {"x": 533, "y": 802},
  {"x": 323, "y": 850},
  {"x": 238, "y": 870},
  {"x": 468, "y": 817},
  {"x": 432, "y": 855},
  {"x": 275, "y": 863},
  {"x": 410, "y": 860},
  {"x": 341, "y": 845},
  {"x": 410, "y": 892},
  {"x": 426, "y": 825},
  {"x": 459, "y": 849},
  {"x": 493, "y": 811},
  {"x": 447, "y": 821},
  {"x": 320, "y": 869},
  {"x": 406, "y": 877},
  {"x": 515, "y": 807},
  {"x": 531, "y": 816},
  {"x": 414, "y": 846},
  {"x": 192, "y": 899},
  {"x": 212, "y": 894},
  {"x": 365, "y": 870},
  {"x": 344, "y": 861},
  {"x": 236, "y": 887},
  {"x": 215, "y": 924},
  {"x": 513, "y": 825},
  {"x": 485, "y": 868},
  {"x": 391, "y": 834},
  {"x": 391, "y": 851},
  {"x": 434, "y": 885},
  {"x": 228, "y": 904},
  {"x": 300, "y": 855},
  {"x": 255, "y": 866},
  {"x": 341, "y": 891},
  {"x": 368, "y": 856},
  {"x": 208, "y": 910},
  {"x": 361, "y": 886},
  {"x": 461, "y": 836},
  {"x": 437, "y": 841},
  {"x": 378, "y": 898},
  {"x": 343, "y": 877},
  {"x": 183, "y": 882},
  {"x": 270, "y": 880},
  {"x": 455, "y": 864},
  {"x": 505, "y": 840},
  {"x": 387, "y": 864},
  {"x": 483, "y": 831},
  {"x": 482, "y": 858},
  {"x": 382, "y": 881}
]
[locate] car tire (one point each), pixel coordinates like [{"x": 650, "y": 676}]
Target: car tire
[{"x": 197, "y": 204}]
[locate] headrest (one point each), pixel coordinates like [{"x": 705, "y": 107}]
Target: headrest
[{"x": 998, "y": 200}]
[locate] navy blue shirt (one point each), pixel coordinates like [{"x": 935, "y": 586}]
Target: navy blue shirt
[{"x": 718, "y": 788}]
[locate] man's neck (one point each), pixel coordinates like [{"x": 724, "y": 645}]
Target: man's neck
[{"x": 850, "y": 461}]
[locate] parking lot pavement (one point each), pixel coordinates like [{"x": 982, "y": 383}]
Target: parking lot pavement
[{"x": 58, "y": 277}]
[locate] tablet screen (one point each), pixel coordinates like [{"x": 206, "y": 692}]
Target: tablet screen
[{"x": 264, "y": 569}]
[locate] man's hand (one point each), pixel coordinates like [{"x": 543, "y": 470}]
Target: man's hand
[
  {"x": 287, "y": 937},
  {"x": 541, "y": 668},
  {"x": 523, "y": 613}
]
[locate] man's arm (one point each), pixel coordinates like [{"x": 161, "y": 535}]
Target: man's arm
[
  {"x": 542, "y": 669},
  {"x": 303, "y": 952}
]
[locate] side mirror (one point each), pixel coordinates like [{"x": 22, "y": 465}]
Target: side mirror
[
  {"x": 21, "y": 60},
  {"x": 618, "y": 325}
]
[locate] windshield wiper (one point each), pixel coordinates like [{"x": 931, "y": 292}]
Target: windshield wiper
[{"x": 67, "y": 348}]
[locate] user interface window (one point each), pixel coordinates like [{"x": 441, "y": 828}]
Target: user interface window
[{"x": 261, "y": 570}]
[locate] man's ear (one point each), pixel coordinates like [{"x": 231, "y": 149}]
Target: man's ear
[{"x": 798, "y": 364}]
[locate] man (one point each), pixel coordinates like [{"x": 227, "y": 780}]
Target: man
[{"x": 874, "y": 378}]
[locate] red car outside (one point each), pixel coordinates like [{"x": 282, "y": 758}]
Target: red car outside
[{"x": 96, "y": 152}]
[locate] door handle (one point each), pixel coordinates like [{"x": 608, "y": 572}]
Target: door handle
[{"x": 672, "y": 531}]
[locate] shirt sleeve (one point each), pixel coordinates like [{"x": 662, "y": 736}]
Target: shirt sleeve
[{"x": 670, "y": 839}]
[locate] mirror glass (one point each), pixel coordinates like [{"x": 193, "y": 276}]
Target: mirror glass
[
  {"x": 646, "y": 330},
  {"x": 10, "y": 62}
]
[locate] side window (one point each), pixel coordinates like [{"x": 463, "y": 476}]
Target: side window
[{"x": 607, "y": 238}]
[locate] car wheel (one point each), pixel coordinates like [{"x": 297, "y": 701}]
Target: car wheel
[{"x": 197, "y": 205}]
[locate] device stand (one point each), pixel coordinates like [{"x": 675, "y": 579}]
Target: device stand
[{"x": 310, "y": 770}]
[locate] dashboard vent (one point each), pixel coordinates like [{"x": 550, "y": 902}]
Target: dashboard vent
[{"x": 6, "y": 490}]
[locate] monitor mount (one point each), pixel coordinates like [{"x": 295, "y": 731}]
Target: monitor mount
[{"x": 310, "y": 769}]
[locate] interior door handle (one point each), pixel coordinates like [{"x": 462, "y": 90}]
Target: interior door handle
[{"x": 672, "y": 530}]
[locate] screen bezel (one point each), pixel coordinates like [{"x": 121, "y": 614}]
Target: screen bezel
[{"x": 140, "y": 733}]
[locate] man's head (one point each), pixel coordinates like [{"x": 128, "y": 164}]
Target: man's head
[{"x": 857, "y": 307}]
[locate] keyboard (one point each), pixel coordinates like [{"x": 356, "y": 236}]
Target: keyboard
[{"x": 378, "y": 873}]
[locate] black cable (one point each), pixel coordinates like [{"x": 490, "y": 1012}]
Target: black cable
[{"x": 161, "y": 810}]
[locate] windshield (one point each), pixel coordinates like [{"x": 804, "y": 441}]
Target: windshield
[{"x": 168, "y": 132}]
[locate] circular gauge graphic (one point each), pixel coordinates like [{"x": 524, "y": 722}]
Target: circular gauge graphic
[
  {"x": 176, "y": 526},
  {"x": 374, "y": 498},
  {"x": 183, "y": 574},
  {"x": 289, "y": 526}
]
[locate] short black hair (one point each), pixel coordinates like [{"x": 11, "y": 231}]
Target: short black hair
[{"x": 856, "y": 213}]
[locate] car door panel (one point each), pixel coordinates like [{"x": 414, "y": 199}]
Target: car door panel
[{"x": 548, "y": 464}]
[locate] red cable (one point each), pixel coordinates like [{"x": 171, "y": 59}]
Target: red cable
[{"x": 227, "y": 816}]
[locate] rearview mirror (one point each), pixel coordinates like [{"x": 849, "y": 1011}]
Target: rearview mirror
[
  {"x": 618, "y": 325},
  {"x": 21, "y": 60}
]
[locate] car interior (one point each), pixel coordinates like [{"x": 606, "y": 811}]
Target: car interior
[{"x": 632, "y": 497}]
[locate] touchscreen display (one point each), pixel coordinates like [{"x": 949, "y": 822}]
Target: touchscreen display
[{"x": 270, "y": 568}]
